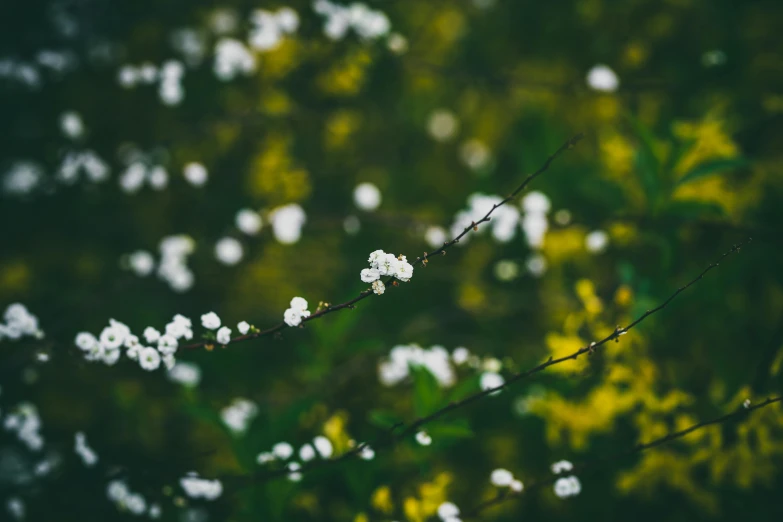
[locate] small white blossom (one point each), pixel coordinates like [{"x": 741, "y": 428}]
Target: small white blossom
[
  {"x": 448, "y": 510},
  {"x": 88, "y": 456},
  {"x": 238, "y": 415},
  {"x": 243, "y": 327},
  {"x": 149, "y": 359},
  {"x": 151, "y": 335},
  {"x": 366, "y": 453},
  {"x": 603, "y": 79},
  {"x": 596, "y": 241},
  {"x": 294, "y": 475},
  {"x": 248, "y": 222},
  {"x": 282, "y": 450},
  {"x": 196, "y": 487},
  {"x": 366, "y": 196},
  {"x": 567, "y": 487},
  {"x": 404, "y": 271},
  {"x": 112, "y": 337},
  {"x": 460, "y": 355},
  {"x": 195, "y": 174},
  {"x": 210, "y": 321},
  {"x": 229, "y": 251},
  {"x": 306, "y": 453},
  {"x": 378, "y": 287},
  {"x": 516, "y": 486},
  {"x": 167, "y": 345},
  {"x": 423, "y": 438},
  {"x": 369, "y": 275},
  {"x": 561, "y": 466},
  {"x": 501, "y": 477},
  {"x": 490, "y": 380},
  {"x": 86, "y": 341},
  {"x": 224, "y": 335},
  {"x": 323, "y": 446},
  {"x": 185, "y": 373}
]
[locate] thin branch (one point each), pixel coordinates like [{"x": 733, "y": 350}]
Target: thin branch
[
  {"x": 390, "y": 438},
  {"x": 419, "y": 260},
  {"x": 742, "y": 412}
]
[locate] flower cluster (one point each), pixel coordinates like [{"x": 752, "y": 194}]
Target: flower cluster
[
  {"x": 238, "y": 415},
  {"x": 283, "y": 451},
  {"x": 124, "y": 499},
  {"x": 565, "y": 486},
  {"x": 87, "y": 454},
  {"x": 268, "y": 28},
  {"x": 108, "y": 346},
  {"x": 26, "y": 422},
  {"x": 402, "y": 357},
  {"x": 87, "y": 162},
  {"x": 197, "y": 487},
  {"x": 503, "y": 478},
  {"x": 233, "y": 58},
  {"x": 293, "y": 316},
  {"x": 173, "y": 268},
  {"x": 19, "y": 322},
  {"x": 366, "y": 22},
  {"x": 383, "y": 264}
]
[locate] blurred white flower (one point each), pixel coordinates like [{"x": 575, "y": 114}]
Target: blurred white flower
[
  {"x": 195, "y": 174},
  {"x": 423, "y": 438},
  {"x": 323, "y": 446},
  {"x": 287, "y": 222},
  {"x": 282, "y": 450},
  {"x": 185, "y": 373},
  {"x": 248, "y": 222},
  {"x": 210, "y": 321},
  {"x": 490, "y": 380},
  {"x": 367, "y": 196},
  {"x": 602, "y": 78},
  {"x": 224, "y": 335},
  {"x": 71, "y": 124},
  {"x": 243, "y": 327},
  {"x": 229, "y": 251},
  {"x": 596, "y": 241},
  {"x": 501, "y": 477},
  {"x": 232, "y": 58},
  {"x": 442, "y": 125},
  {"x": 536, "y": 265},
  {"x": 435, "y": 236},
  {"x": 238, "y": 415}
]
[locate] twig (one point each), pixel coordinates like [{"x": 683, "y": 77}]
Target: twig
[
  {"x": 419, "y": 260},
  {"x": 591, "y": 466},
  {"x": 390, "y": 439}
]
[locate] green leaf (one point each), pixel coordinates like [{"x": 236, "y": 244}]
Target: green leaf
[
  {"x": 711, "y": 167},
  {"x": 383, "y": 418},
  {"x": 695, "y": 209},
  {"x": 646, "y": 163},
  {"x": 427, "y": 394}
]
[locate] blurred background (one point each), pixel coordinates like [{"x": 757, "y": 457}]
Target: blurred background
[{"x": 163, "y": 158}]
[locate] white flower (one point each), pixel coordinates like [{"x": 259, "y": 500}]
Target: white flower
[
  {"x": 287, "y": 222},
  {"x": 238, "y": 414},
  {"x": 111, "y": 356},
  {"x": 224, "y": 335},
  {"x": 141, "y": 263},
  {"x": 375, "y": 258},
  {"x": 151, "y": 335},
  {"x": 243, "y": 327},
  {"x": 88, "y": 456},
  {"x": 369, "y": 275},
  {"x": 282, "y": 450},
  {"x": 536, "y": 202},
  {"x": 490, "y": 380},
  {"x": 561, "y": 466},
  {"x": 167, "y": 345},
  {"x": 196, "y": 174},
  {"x": 112, "y": 337},
  {"x": 387, "y": 264},
  {"x": 248, "y": 222},
  {"x": 299, "y": 303},
  {"x": 367, "y": 453},
  {"x": 516, "y": 486},
  {"x": 423, "y": 438},
  {"x": 229, "y": 251},
  {"x": 71, "y": 124},
  {"x": 292, "y": 317},
  {"x": 210, "y": 321},
  {"x": 323, "y": 446},
  {"x": 306, "y": 453},
  {"x": 378, "y": 287},
  {"x": 131, "y": 341},
  {"x": 185, "y": 373},
  {"x": 442, "y": 125},
  {"x": 294, "y": 475},
  {"x": 366, "y": 196},
  {"x": 135, "y": 503},
  {"x": 448, "y": 510},
  {"x": 133, "y": 352},
  {"x": 86, "y": 341},
  {"x": 460, "y": 355},
  {"x": 602, "y": 78},
  {"x": 404, "y": 271},
  {"x": 596, "y": 241},
  {"x": 196, "y": 487},
  {"x": 117, "y": 490},
  {"x": 264, "y": 458},
  {"x": 567, "y": 487},
  {"x": 149, "y": 359},
  {"x": 501, "y": 477},
  {"x": 435, "y": 236}
]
